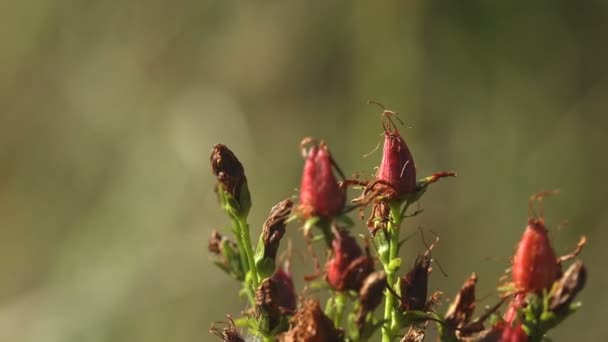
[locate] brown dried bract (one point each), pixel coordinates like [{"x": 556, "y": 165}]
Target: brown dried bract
[
  {"x": 274, "y": 227},
  {"x": 310, "y": 324},
  {"x": 567, "y": 287},
  {"x": 370, "y": 295},
  {"x": 460, "y": 312},
  {"x": 228, "y": 333}
]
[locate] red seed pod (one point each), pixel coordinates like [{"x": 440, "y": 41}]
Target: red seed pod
[
  {"x": 348, "y": 267},
  {"x": 397, "y": 170},
  {"x": 320, "y": 194},
  {"x": 535, "y": 266}
]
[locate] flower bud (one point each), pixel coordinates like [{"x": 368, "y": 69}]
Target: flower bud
[
  {"x": 348, "y": 266},
  {"x": 320, "y": 194},
  {"x": 272, "y": 233},
  {"x": 310, "y": 324},
  {"x": 397, "y": 170},
  {"x": 232, "y": 187},
  {"x": 535, "y": 266},
  {"x": 227, "y": 255}
]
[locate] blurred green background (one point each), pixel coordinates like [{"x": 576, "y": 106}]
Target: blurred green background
[{"x": 109, "y": 109}]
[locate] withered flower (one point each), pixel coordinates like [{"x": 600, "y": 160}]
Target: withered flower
[
  {"x": 348, "y": 266},
  {"x": 272, "y": 233},
  {"x": 320, "y": 194},
  {"x": 286, "y": 298},
  {"x": 310, "y": 324},
  {"x": 414, "y": 285},
  {"x": 227, "y": 255},
  {"x": 567, "y": 287},
  {"x": 370, "y": 295},
  {"x": 232, "y": 187},
  {"x": 274, "y": 300},
  {"x": 228, "y": 333},
  {"x": 461, "y": 310}
]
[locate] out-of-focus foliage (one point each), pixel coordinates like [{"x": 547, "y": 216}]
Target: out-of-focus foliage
[{"x": 108, "y": 111}]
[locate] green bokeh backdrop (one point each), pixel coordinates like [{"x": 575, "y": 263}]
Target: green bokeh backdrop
[{"x": 109, "y": 109}]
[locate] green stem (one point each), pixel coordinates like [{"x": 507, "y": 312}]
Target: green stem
[
  {"x": 246, "y": 240},
  {"x": 393, "y": 245}
]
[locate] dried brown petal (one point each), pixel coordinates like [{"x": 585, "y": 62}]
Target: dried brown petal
[
  {"x": 274, "y": 227},
  {"x": 310, "y": 324},
  {"x": 567, "y": 287},
  {"x": 461, "y": 310}
]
